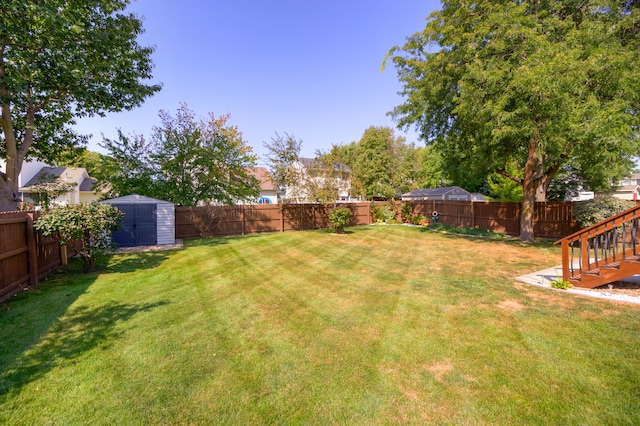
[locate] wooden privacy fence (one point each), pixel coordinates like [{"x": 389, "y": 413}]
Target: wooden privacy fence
[
  {"x": 551, "y": 220},
  {"x": 251, "y": 219},
  {"x": 25, "y": 255}
]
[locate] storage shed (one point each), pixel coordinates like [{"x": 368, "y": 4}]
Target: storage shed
[{"x": 146, "y": 222}]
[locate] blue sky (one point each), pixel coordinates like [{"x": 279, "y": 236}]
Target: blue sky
[{"x": 308, "y": 68}]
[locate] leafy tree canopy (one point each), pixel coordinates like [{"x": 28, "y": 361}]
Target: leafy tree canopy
[
  {"x": 61, "y": 60},
  {"x": 538, "y": 83},
  {"x": 187, "y": 161},
  {"x": 282, "y": 153},
  {"x": 382, "y": 165}
]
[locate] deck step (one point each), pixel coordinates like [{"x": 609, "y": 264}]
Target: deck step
[{"x": 606, "y": 274}]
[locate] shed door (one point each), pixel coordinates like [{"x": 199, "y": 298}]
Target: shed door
[{"x": 139, "y": 225}]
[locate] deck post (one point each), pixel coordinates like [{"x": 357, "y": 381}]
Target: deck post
[{"x": 565, "y": 261}]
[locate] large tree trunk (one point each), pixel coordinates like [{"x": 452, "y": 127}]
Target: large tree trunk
[
  {"x": 9, "y": 187},
  {"x": 7, "y": 203},
  {"x": 529, "y": 191}
]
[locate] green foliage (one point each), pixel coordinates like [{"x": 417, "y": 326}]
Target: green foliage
[
  {"x": 187, "y": 161},
  {"x": 536, "y": 84},
  {"x": 282, "y": 153},
  {"x": 89, "y": 223},
  {"x": 406, "y": 213},
  {"x": 419, "y": 219},
  {"x": 590, "y": 212},
  {"x": 60, "y": 61},
  {"x": 561, "y": 284},
  {"x": 502, "y": 188},
  {"x": 383, "y": 165},
  {"x": 431, "y": 173},
  {"x": 339, "y": 218},
  {"x": 384, "y": 214}
]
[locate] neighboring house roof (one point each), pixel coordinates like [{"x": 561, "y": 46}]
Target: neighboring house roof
[
  {"x": 262, "y": 174},
  {"x": 55, "y": 174},
  {"x": 313, "y": 164},
  {"x": 433, "y": 191},
  {"x": 88, "y": 185}
]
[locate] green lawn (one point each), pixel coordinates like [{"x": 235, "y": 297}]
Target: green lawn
[{"x": 386, "y": 325}]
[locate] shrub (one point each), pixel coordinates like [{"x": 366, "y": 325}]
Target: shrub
[
  {"x": 339, "y": 218},
  {"x": 406, "y": 213},
  {"x": 419, "y": 220},
  {"x": 386, "y": 214},
  {"x": 561, "y": 284},
  {"x": 90, "y": 224},
  {"x": 590, "y": 212}
]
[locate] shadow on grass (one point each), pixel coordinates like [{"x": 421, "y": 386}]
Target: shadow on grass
[
  {"x": 79, "y": 330},
  {"x": 510, "y": 240},
  {"x": 129, "y": 262}
]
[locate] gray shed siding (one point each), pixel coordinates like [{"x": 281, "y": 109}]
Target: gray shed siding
[{"x": 166, "y": 224}]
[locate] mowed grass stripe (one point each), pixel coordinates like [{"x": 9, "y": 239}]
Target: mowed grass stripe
[{"x": 385, "y": 325}]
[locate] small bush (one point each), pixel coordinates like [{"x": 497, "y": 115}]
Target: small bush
[
  {"x": 339, "y": 218},
  {"x": 419, "y": 219},
  {"x": 89, "y": 223},
  {"x": 590, "y": 212},
  {"x": 406, "y": 213},
  {"x": 561, "y": 284},
  {"x": 386, "y": 214}
]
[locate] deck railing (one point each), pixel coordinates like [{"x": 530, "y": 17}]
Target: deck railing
[{"x": 601, "y": 245}]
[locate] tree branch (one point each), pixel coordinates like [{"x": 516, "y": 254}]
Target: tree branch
[{"x": 509, "y": 176}]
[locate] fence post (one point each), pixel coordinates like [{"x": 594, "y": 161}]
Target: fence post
[
  {"x": 473, "y": 214},
  {"x": 242, "y": 216},
  {"x": 33, "y": 256},
  {"x": 282, "y": 217}
]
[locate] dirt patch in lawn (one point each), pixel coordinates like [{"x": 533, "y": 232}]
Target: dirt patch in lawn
[
  {"x": 510, "y": 305},
  {"x": 440, "y": 370}
]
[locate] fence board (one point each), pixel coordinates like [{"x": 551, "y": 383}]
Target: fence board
[
  {"x": 25, "y": 255},
  {"x": 14, "y": 253}
]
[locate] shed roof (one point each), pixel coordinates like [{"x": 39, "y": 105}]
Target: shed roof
[{"x": 136, "y": 199}]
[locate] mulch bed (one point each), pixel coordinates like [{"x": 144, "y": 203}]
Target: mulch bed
[{"x": 620, "y": 287}]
